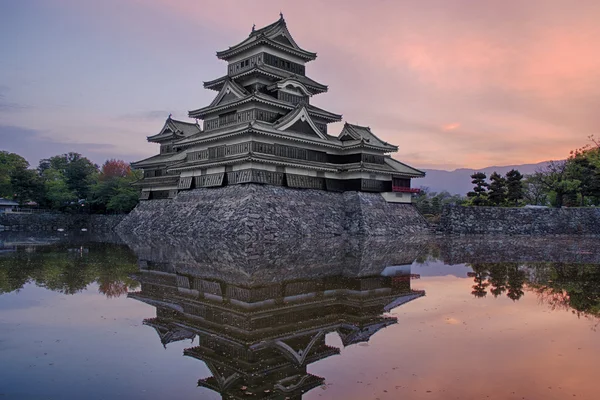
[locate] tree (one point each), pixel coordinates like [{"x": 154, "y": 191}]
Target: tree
[
  {"x": 114, "y": 168},
  {"x": 555, "y": 179},
  {"x": 534, "y": 191},
  {"x": 9, "y": 163},
  {"x": 113, "y": 190},
  {"x": 514, "y": 186},
  {"x": 27, "y": 186},
  {"x": 581, "y": 168},
  {"x": 498, "y": 191},
  {"x": 58, "y": 195},
  {"x": 78, "y": 172},
  {"x": 479, "y": 194},
  {"x": 436, "y": 205}
]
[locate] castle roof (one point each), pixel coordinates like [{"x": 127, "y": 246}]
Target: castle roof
[
  {"x": 219, "y": 105},
  {"x": 403, "y": 168},
  {"x": 273, "y": 72},
  {"x": 275, "y": 35},
  {"x": 363, "y": 133},
  {"x": 174, "y": 129}
]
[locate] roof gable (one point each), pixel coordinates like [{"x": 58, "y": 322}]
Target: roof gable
[
  {"x": 364, "y": 134},
  {"x": 299, "y": 120},
  {"x": 230, "y": 92},
  {"x": 275, "y": 34},
  {"x": 174, "y": 129}
]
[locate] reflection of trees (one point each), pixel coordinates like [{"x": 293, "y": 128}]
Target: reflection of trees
[
  {"x": 501, "y": 277},
  {"x": 497, "y": 278},
  {"x": 514, "y": 282},
  {"x": 480, "y": 275},
  {"x": 569, "y": 286},
  {"x": 69, "y": 270},
  {"x": 566, "y": 286}
]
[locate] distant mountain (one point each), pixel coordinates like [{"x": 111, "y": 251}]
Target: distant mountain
[{"x": 459, "y": 180}]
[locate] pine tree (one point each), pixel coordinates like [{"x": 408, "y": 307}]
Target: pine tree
[
  {"x": 497, "y": 192},
  {"x": 479, "y": 194},
  {"x": 514, "y": 185}
]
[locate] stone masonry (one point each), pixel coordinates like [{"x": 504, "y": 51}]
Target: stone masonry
[
  {"x": 520, "y": 221},
  {"x": 251, "y": 211}
]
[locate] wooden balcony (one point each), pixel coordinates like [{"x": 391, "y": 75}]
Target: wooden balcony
[{"x": 403, "y": 189}]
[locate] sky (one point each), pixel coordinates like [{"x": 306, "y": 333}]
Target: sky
[{"x": 454, "y": 83}]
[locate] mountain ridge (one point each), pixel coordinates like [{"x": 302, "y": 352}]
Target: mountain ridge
[{"x": 458, "y": 181}]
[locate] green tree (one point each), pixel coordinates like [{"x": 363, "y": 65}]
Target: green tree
[
  {"x": 479, "y": 194},
  {"x": 436, "y": 205},
  {"x": 9, "y": 164},
  {"x": 79, "y": 173},
  {"x": 27, "y": 186},
  {"x": 58, "y": 195},
  {"x": 580, "y": 168},
  {"x": 555, "y": 178},
  {"x": 514, "y": 186},
  {"x": 497, "y": 193}
]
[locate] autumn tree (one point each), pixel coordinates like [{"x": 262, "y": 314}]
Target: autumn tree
[
  {"x": 114, "y": 168},
  {"x": 114, "y": 191}
]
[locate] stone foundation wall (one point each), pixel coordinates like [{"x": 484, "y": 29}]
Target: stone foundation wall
[
  {"x": 54, "y": 221},
  {"x": 269, "y": 212},
  {"x": 520, "y": 221}
]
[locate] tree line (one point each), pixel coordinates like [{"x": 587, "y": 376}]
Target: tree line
[
  {"x": 571, "y": 182},
  {"x": 69, "y": 183}
]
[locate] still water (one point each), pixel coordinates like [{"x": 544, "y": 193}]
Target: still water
[{"x": 441, "y": 318}]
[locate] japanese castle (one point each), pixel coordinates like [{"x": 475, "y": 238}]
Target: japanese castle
[{"x": 262, "y": 128}]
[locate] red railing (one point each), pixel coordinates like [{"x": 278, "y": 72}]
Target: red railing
[{"x": 404, "y": 189}]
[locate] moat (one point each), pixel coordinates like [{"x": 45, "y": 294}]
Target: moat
[{"x": 340, "y": 318}]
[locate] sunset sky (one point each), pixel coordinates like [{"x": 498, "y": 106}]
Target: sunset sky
[{"x": 453, "y": 83}]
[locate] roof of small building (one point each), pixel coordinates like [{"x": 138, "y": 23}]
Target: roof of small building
[
  {"x": 7, "y": 202},
  {"x": 276, "y": 35}
]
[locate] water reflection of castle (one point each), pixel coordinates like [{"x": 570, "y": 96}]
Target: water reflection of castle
[{"x": 260, "y": 337}]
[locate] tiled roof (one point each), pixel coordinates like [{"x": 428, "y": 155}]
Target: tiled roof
[
  {"x": 364, "y": 133},
  {"x": 315, "y": 87},
  {"x": 160, "y": 159},
  {"x": 403, "y": 168},
  {"x": 175, "y": 127},
  {"x": 269, "y": 35}
]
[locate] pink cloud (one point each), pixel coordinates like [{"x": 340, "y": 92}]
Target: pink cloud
[{"x": 523, "y": 76}]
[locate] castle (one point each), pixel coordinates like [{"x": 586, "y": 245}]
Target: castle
[{"x": 262, "y": 128}]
